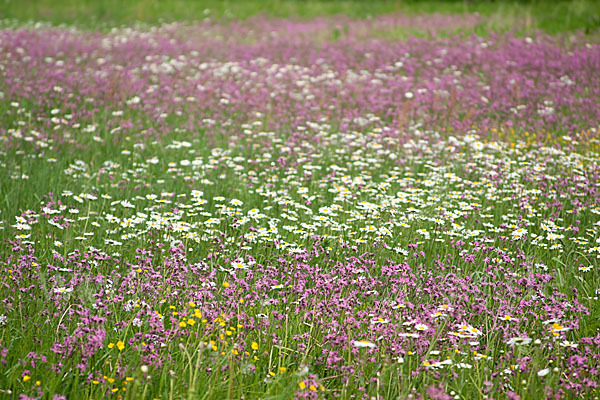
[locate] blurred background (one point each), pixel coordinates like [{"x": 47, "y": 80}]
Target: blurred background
[{"x": 547, "y": 15}]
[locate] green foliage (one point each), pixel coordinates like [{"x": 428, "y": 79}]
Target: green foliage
[{"x": 551, "y": 16}]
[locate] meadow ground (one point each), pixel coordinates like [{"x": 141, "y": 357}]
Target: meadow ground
[{"x": 292, "y": 200}]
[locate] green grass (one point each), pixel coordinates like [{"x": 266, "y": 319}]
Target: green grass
[{"x": 551, "y": 16}]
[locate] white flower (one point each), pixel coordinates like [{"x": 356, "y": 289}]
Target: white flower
[
  {"x": 127, "y": 204},
  {"x": 134, "y": 100},
  {"x": 518, "y": 233},
  {"x": 478, "y": 146},
  {"x": 543, "y": 372},
  {"x": 239, "y": 264},
  {"x": 22, "y": 227},
  {"x": 421, "y": 327},
  {"x": 439, "y": 364},
  {"x": 518, "y": 341},
  {"x": 464, "y": 366},
  {"x": 303, "y": 370},
  {"x": 553, "y": 236},
  {"x": 410, "y": 335},
  {"x": 363, "y": 343},
  {"x": 550, "y": 321},
  {"x": 566, "y": 343},
  {"x": 63, "y": 290},
  {"x": 380, "y": 321}
]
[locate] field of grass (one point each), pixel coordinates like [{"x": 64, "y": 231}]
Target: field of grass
[
  {"x": 276, "y": 200},
  {"x": 550, "y": 16}
]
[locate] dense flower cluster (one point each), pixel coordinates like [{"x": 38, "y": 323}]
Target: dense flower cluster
[{"x": 264, "y": 207}]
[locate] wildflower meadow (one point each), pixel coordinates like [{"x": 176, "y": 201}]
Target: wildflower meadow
[{"x": 401, "y": 206}]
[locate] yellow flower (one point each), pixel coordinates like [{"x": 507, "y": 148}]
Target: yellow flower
[
  {"x": 282, "y": 369},
  {"x": 120, "y": 345},
  {"x": 26, "y": 378},
  {"x": 254, "y": 346},
  {"x": 313, "y": 388},
  {"x": 190, "y": 321},
  {"x": 192, "y": 304},
  {"x": 302, "y": 385},
  {"x": 182, "y": 324},
  {"x": 111, "y": 345},
  {"x": 226, "y": 284},
  {"x": 95, "y": 382},
  {"x": 556, "y": 327},
  {"x": 38, "y": 383}
]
